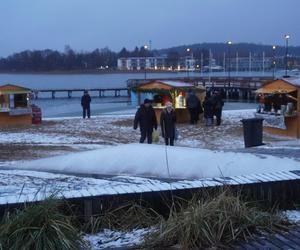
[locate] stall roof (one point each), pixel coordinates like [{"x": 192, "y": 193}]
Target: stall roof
[
  {"x": 13, "y": 89},
  {"x": 168, "y": 85},
  {"x": 284, "y": 85}
]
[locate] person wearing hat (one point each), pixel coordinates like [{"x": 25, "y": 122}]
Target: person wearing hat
[
  {"x": 85, "y": 104},
  {"x": 145, "y": 118},
  {"x": 167, "y": 123}
]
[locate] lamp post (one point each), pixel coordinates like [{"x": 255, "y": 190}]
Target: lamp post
[
  {"x": 145, "y": 66},
  {"x": 188, "y": 50},
  {"x": 274, "y": 62},
  {"x": 286, "y": 53},
  {"x": 229, "y": 43}
]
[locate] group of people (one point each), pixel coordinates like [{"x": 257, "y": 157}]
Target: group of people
[
  {"x": 213, "y": 106},
  {"x": 145, "y": 116}
]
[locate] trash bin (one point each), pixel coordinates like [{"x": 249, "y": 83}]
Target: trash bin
[
  {"x": 36, "y": 115},
  {"x": 253, "y": 131}
]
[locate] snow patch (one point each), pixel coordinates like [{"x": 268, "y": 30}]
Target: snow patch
[{"x": 154, "y": 161}]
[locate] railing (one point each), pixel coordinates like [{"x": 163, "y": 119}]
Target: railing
[{"x": 102, "y": 92}]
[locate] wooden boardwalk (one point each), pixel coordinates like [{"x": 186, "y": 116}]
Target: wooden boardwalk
[
  {"x": 283, "y": 185},
  {"x": 279, "y": 241}
]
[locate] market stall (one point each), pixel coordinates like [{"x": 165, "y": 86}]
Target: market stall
[
  {"x": 279, "y": 106},
  {"x": 15, "y": 105},
  {"x": 162, "y": 92}
]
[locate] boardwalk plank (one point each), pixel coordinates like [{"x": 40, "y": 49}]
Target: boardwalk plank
[{"x": 257, "y": 178}]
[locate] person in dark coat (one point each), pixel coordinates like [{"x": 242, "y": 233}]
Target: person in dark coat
[
  {"x": 85, "y": 104},
  {"x": 167, "y": 123},
  {"x": 217, "y": 106},
  {"x": 193, "y": 104},
  {"x": 208, "y": 111},
  {"x": 145, "y": 118}
]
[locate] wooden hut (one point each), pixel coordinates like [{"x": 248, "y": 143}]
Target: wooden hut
[
  {"x": 280, "y": 106},
  {"x": 15, "y": 105},
  {"x": 163, "y": 91}
]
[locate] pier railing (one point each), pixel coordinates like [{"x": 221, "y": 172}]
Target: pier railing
[{"x": 102, "y": 92}]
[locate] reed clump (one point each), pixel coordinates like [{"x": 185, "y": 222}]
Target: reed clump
[
  {"x": 214, "y": 221},
  {"x": 126, "y": 217},
  {"x": 39, "y": 226}
]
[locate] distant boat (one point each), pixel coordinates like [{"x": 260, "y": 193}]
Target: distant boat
[{"x": 214, "y": 68}]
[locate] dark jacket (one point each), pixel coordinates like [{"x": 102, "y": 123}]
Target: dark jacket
[
  {"x": 217, "y": 102},
  {"x": 167, "y": 123},
  {"x": 85, "y": 100},
  {"x": 192, "y": 101},
  {"x": 208, "y": 108},
  {"x": 145, "y": 118}
]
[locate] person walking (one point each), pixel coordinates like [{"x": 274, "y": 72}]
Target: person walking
[
  {"x": 208, "y": 111},
  {"x": 167, "y": 122},
  {"x": 217, "y": 106},
  {"x": 145, "y": 118},
  {"x": 193, "y": 104},
  {"x": 85, "y": 104}
]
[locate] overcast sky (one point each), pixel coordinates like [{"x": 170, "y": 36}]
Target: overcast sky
[{"x": 89, "y": 24}]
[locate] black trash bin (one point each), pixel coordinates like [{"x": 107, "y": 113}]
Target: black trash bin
[{"x": 253, "y": 132}]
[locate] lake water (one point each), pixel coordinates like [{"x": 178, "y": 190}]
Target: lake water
[
  {"x": 71, "y": 107},
  {"x": 115, "y": 80}
]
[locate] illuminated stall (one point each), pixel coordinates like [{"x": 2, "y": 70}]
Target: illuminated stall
[
  {"x": 279, "y": 107},
  {"x": 15, "y": 106},
  {"x": 162, "y": 92}
]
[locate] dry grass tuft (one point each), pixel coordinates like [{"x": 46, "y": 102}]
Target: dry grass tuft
[
  {"x": 126, "y": 217},
  {"x": 214, "y": 222},
  {"x": 39, "y": 226}
]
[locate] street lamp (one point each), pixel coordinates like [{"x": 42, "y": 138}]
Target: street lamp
[
  {"x": 188, "y": 50},
  {"x": 274, "y": 62},
  {"x": 286, "y": 53},
  {"x": 145, "y": 66},
  {"x": 229, "y": 43}
]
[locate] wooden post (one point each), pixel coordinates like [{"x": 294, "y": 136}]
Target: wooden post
[
  {"x": 36, "y": 94},
  {"x": 298, "y": 113},
  {"x": 53, "y": 94},
  {"x": 88, "y": 209},
  {"x": 69, "y": 93}
]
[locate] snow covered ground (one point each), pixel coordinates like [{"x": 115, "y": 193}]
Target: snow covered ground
[{"x": 159, "y": 161}]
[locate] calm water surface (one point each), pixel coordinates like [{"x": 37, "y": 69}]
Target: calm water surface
[{"x": 64, "y": 107}]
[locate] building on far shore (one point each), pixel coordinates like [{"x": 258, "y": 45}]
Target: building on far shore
[
  {"x": 155, "y": 63},
  {"x": 140, "y": 63}
]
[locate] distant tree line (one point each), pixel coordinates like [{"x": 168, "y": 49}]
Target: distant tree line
[{"x": 53, "y": 60}]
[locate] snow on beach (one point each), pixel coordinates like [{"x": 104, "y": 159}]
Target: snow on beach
[
  {"x": 199, "y": 152},
  {"x": 58, "y": 136},
  {"x": 150, "y": 161}
]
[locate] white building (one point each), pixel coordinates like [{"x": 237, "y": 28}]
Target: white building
[{"x": 140, "y": 63}]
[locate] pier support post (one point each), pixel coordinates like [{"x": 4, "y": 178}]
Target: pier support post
[
  {"x": 88, "y": 209},
  {"x": 69, "y": 93},
  {"x": 36, "y": 94},
  {"x": 53, "y": 94}
]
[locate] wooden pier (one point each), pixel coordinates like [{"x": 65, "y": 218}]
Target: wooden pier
[
  {"x": 232, "y": 88},
  {"x": 102, "y": 92}
]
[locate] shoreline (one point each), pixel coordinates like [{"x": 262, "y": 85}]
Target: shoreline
[{"x": 94, "y": 71}]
